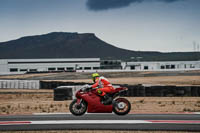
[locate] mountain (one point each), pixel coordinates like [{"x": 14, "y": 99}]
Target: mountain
[{"x": 75, "y": 45}]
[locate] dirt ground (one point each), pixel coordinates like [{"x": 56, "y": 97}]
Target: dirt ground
[
  {"x": 21, "y": 101},
  {"x": 162, "y": 80}
]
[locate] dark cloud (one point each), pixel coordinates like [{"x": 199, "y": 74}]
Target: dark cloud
[{"x": 97, "y": 5}]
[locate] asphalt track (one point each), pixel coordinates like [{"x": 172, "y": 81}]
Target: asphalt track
[{"x": 170, "y": 122}]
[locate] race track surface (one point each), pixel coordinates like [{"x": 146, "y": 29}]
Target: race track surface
[{"x": 171, "y": 122}]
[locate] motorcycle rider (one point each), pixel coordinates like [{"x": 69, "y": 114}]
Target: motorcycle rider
[{"x": 104, "y": 87}]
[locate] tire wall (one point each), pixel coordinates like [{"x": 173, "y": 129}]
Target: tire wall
[
  {"x": 68, "y": 92},
  {"x": 162, "y": 91}
]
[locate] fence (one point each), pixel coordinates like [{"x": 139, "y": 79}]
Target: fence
[{"x": 20, "y": 84}]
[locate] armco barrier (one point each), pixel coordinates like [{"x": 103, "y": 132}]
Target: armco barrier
[
  {"x": 20, "y": 84},
  {"x": 54, "y": 84}
]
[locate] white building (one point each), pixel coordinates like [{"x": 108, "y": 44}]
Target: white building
[
  {"x": 20, "y": 66},
  {"x": 17, "y": 66},
  {"x": 161, "y": 66}
]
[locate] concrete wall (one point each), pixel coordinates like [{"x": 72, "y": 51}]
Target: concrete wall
[{"x": 19, "y": 84}]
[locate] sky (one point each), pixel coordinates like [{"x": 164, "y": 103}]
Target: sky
[{"x": 141, "y": 25}]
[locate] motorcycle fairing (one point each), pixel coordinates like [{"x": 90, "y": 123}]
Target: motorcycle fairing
[{"x": 95, "y": 105}]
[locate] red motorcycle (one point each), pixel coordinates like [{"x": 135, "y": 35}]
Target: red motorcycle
[{"x": 88, "y": 100}]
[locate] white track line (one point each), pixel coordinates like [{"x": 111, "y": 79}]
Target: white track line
[
  {"x": 91, "y": 122},
  {"x": 100, "y": 122},
  {"x": 188, "y": 113},
  {"x": 51, "y": 113},
  {"x": 67, "y": 113}
]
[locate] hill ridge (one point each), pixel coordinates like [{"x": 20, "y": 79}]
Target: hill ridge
[{"x": 80, "y": 45}]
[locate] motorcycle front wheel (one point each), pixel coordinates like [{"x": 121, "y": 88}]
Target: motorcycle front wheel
[
  {"x": 78, "y": 109},
  {"x": 121, "y": 106}
]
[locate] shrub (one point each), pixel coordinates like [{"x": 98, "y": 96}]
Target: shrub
[{"x": 141, "y": 101}]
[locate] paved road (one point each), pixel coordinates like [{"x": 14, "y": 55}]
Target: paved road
[{"x": 172, "y": 122}]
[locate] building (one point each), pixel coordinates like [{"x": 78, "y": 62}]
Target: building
[
  {"x": 17, "y": 66},
  {"x": 161, "y": 66},
  {"x": 111, "y": 64},
  {"x": 20, "y": 66}
]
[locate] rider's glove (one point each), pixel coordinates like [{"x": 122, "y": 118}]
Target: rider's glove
[{"x": 88, "y": 86}]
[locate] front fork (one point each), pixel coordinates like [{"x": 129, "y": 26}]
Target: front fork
[{"x": 78, "y": 101}]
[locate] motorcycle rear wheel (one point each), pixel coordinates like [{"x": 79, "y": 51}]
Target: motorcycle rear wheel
[
  {"x": 121, "y": 106},
  {"x": 76, "y": 109}
]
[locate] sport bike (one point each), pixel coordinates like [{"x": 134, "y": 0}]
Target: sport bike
[{"x": 87, "y": 99}]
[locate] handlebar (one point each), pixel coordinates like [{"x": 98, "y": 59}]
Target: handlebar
[{"x": 86, "y": 88}]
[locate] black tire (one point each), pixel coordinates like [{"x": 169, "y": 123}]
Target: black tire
[
  {"x": 78, "y": 111},
  {"x": 124, "y": 110}
]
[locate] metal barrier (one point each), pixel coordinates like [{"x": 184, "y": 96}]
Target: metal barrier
[
  {"x": 20, "y": 84},
  {"x": 54, "y": 84}
]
